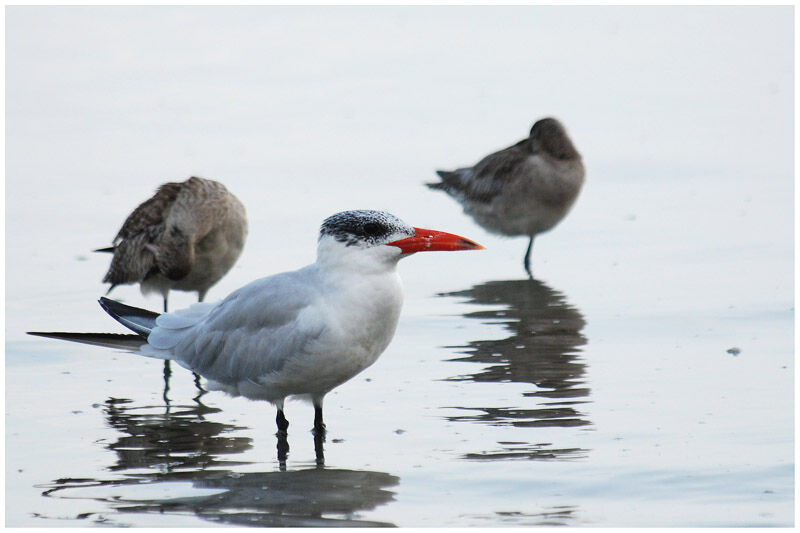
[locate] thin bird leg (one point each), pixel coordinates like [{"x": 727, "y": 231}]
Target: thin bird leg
[
  {"x": 528, "y": 258},
  {"x": 200, "y": 297},
  {"x": 319, "y": 425},
  {"x": 319, "y": 448},
  {"x": 283, "y": 424},
  {"x": 319, "y": 433},
  {"x": 283, "y": 451},
  {"x": 167, "y": 369},
  {"x": 198, "y": 385},
  {"x": 167, "y": 374}
]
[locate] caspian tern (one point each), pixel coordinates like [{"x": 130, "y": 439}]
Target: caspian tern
[
  {"x": 298, "y": 333},
  {"x": 525, "y": 189},
  {"x": 185, "y": 238}
]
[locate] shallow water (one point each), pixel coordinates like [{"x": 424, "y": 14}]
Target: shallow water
[{"x": 603, "y": 393}]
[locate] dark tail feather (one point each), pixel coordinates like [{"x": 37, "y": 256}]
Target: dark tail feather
[
  {"x": 140, "y": 321},
  {"x": 445, "y": 174},
  {"x": 109, "y": 250},
  {"x": 448, "y": 178},
  {"x": 110, "y": 340}
]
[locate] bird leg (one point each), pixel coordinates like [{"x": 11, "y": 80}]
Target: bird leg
[
  {"x": 319, "y": 425},
  {"x": 283, "y": 451},
  {"x": 319, "y": 433},
  {"x": 167, "y": 374},
  {"x": 319, "y": 448},
  {"x": 283, "y": 424},
  {"x": 527, "y": 262},
  {"x": 200, "y": 390}
]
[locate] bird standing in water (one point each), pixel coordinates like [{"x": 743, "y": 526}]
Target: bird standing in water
[
  {"x": 525, "y": 189},
  {"x": 186, "y": 238},
  {"x": 298, "y": 333}
]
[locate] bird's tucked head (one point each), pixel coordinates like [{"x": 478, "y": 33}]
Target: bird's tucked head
[
  {"x": 549, "y": 136},
  {"x": 380, "y": 238}
]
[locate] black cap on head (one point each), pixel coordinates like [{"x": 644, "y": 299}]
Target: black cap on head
[{"x": 364, "y": 227}]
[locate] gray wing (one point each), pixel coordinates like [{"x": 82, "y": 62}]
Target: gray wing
[
  {"x": 251, "y": 333},
  {"x": 484, "y": 181}
]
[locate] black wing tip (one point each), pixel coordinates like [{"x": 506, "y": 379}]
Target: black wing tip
[
  {"x": 103, "y": 301},
  {"x": 114, "y": 307}
]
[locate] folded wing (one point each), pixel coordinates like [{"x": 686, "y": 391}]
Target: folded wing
[{"x": 253, "y": 332}]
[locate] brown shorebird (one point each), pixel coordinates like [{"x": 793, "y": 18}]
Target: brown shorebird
[
  {"x": 525, "y": 189},
  {"x": 184, "y": 238}
]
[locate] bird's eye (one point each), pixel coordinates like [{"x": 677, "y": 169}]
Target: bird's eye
[{"x": 372, "y": 229}]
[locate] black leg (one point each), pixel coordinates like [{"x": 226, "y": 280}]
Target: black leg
[
  {"x": 318, "y": 423},
  {"x": 283, "y": 451},
  {"x": 283, "y": 424},
  {"x": 528, "y": 258},
  {"x": 167, "y": 370},
  {"x": 200, "y": 390},
  {"x": 199, "y": 387},
  {"x": 167, "y": 374},
  {"x": 319, "y": 434},
  {"x": 319, "y": 447}
]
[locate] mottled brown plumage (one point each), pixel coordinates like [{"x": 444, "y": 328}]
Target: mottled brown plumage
[
  {"x": 186, "y": 237},
  {"x": 525, "y": 189}
]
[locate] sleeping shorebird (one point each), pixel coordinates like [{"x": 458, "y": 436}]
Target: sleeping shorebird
[
  {"x": 298, "y": 333},
  {"x": 525, "y": 189},
  {"x": 185, "y": 238}
]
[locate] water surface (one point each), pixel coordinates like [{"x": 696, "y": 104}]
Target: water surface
[{"x": 605, "y": 392}]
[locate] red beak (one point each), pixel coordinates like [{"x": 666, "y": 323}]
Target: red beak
[{"x": 429, "y": 240}]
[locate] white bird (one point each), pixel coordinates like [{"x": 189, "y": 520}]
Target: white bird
[
  {"x": 186, "y": 238},
  {"x": 298, "y": 333},
  {"x": 525, "y": 189}
]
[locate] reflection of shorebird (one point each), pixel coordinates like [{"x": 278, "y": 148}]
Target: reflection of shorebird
[
  {"x": 525, "y": 189},
  {"x": 543, "y": 349},
  {"x": 185, "y": 238},
  {"x": 298, "y": 333}
]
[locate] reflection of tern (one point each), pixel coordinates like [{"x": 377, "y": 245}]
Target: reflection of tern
[
  {"x": 185, "y": 238},
  {"x": 525, "y": 189},
  {"x": 317, "y": 497},
  {"x": 299, "y": 333}
]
